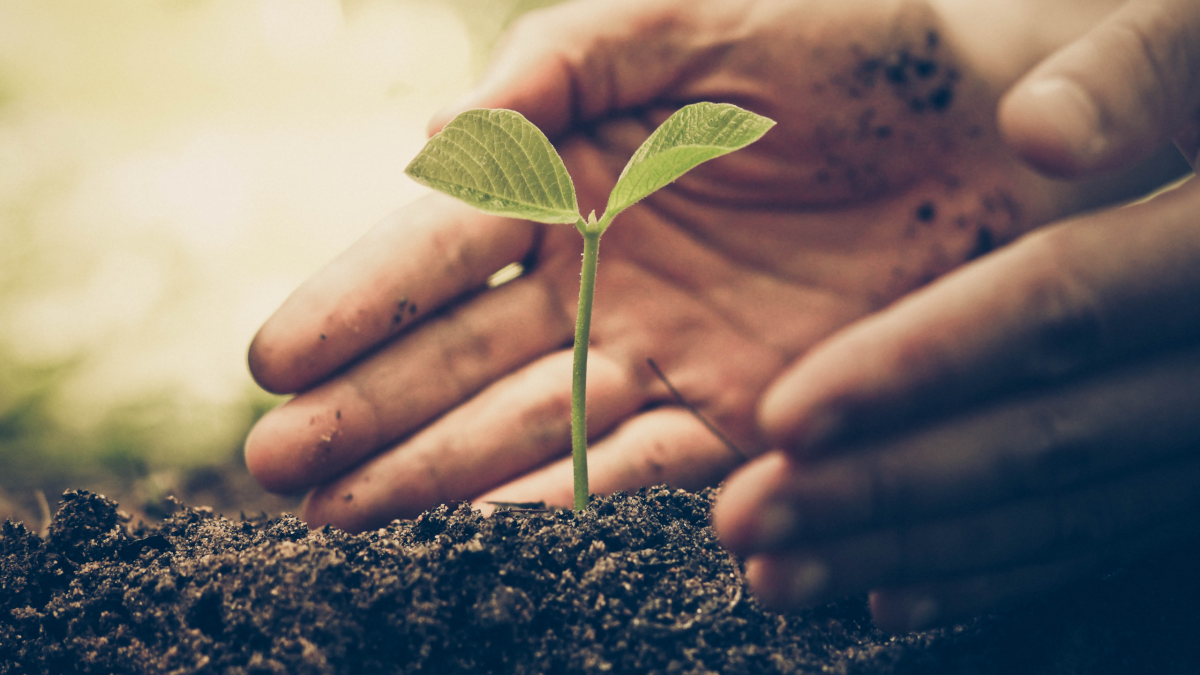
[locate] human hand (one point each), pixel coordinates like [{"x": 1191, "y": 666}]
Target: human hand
[
  {"x": 419, "y": 387},
  {"x": 1026, "y": 421}
]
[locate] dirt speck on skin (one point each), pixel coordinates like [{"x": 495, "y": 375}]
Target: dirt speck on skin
[{"x": 635, "y": 584}]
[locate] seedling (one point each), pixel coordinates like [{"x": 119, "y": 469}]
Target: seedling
[{"x": 500, "y": 163}]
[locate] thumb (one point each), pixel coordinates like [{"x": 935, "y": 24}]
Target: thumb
[
  {"x": 580, "y": 61},
  {"x": 1113, "y": 96}
]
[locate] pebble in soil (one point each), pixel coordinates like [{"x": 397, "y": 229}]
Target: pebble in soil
[{"x": 635, "y": 584}]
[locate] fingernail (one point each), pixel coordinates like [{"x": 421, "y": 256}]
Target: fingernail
[
  {"x": 922, "y": 613},
  {"x": 808, "y": 580},
  {"x": 1073, "y": 113},
  {"x": 777, "y": 524}
]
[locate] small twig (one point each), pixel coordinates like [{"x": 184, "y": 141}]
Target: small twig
[
  {"x": 520, "y": 506},
  {"x": 736, "y": 598},
  {"x": 695, "y": 413},
  {"x": 45, "y": 508}
]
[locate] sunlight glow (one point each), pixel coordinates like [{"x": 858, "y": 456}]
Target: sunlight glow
[
  {"x": 165, "y": 181},
  {"x": 295, "y": 29},
  {"x": 202, "y": 193}
]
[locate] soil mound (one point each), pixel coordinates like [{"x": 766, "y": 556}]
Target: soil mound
[{"x": 635, "y": 584}]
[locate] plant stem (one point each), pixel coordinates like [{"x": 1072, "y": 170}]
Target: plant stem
[{"x": 583, "y": 325}]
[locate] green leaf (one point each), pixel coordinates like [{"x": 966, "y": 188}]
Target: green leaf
[
  {"x": 500, "y": 163},
  {"x": 692, "y": 136}
]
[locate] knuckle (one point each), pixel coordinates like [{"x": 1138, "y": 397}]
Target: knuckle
[
  {"x": 890, "y": 494},
  {"x": 1162, "y": 62},
  {"x": 1069, "y": 327},
  {"x": 1061, "y": 453},
  {"x": 449, "y": 247},
  {"x": 464, "y": 353},
  {"x": 653, "y": 462}
]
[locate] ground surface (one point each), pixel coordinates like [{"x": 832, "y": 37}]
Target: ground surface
[
  {"x": 636, "y": 584},
  {"x": 225, "y": 486}
]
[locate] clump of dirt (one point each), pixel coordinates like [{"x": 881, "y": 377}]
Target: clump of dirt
[{"x": 635, "y": 584}]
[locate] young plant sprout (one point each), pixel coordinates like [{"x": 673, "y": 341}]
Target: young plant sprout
[{"x": 500, "y": 163}]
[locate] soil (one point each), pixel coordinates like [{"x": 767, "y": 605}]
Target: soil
[{"x": 634, "y": 584}]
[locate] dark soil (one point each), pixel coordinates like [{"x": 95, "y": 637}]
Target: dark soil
[{"x": 635, "y": 584}]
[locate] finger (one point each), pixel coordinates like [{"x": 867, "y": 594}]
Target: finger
[
  {"x": 1033, "y": 531},
  {"x": 580, "y": 61},
  {"x": 1090, "y": 429},
  {"x": 401, "y": 271},
  {"x": 921, "y": 606},
  {"x": 513, "y": 426},
  {"x": 1056, "y": 302},
  {"x": 664, "y": 445},
  {"x": 324, "y": 431},
  {"x": 1113, "y": 96}
]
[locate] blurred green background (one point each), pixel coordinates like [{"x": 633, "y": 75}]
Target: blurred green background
[{"x": 169, "y": 171}]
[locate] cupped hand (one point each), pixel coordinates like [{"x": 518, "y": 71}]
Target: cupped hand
[
  {"x": 1025, "y": 421},
  {"x": 418, "y": 386}
]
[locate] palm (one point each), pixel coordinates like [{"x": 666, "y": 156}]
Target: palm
[{"x": 883, "y": 172}]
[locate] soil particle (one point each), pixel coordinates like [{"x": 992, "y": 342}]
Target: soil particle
[
  {"x": 984, "y": 243},
  {"x": 916, "y": 78},
  {"x": 634, "y": 584},
  {"x": 926, "y": 212}
]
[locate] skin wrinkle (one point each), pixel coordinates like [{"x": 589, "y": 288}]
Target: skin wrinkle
[
  {"x": 935, "y": 261},
  {"x": 372, "y": 420},
  {"x": 730, "y": 318},
  {"x": 1160, "y": 74},
  {"x": 645, "y": 377},
  {"x": 1063, "y": 457},
  {"x": 583, "y": 89},
  {"x": 722, "y": 313},
  {"x": 1072, "y": 331},
  {"x": 465, "y": 341},
  {"x": 1163, "y": 58},
  {"x": 666, "y": 30},
  {"x": 451, "y": 249},
  {"x": 550, "y": 421}
]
